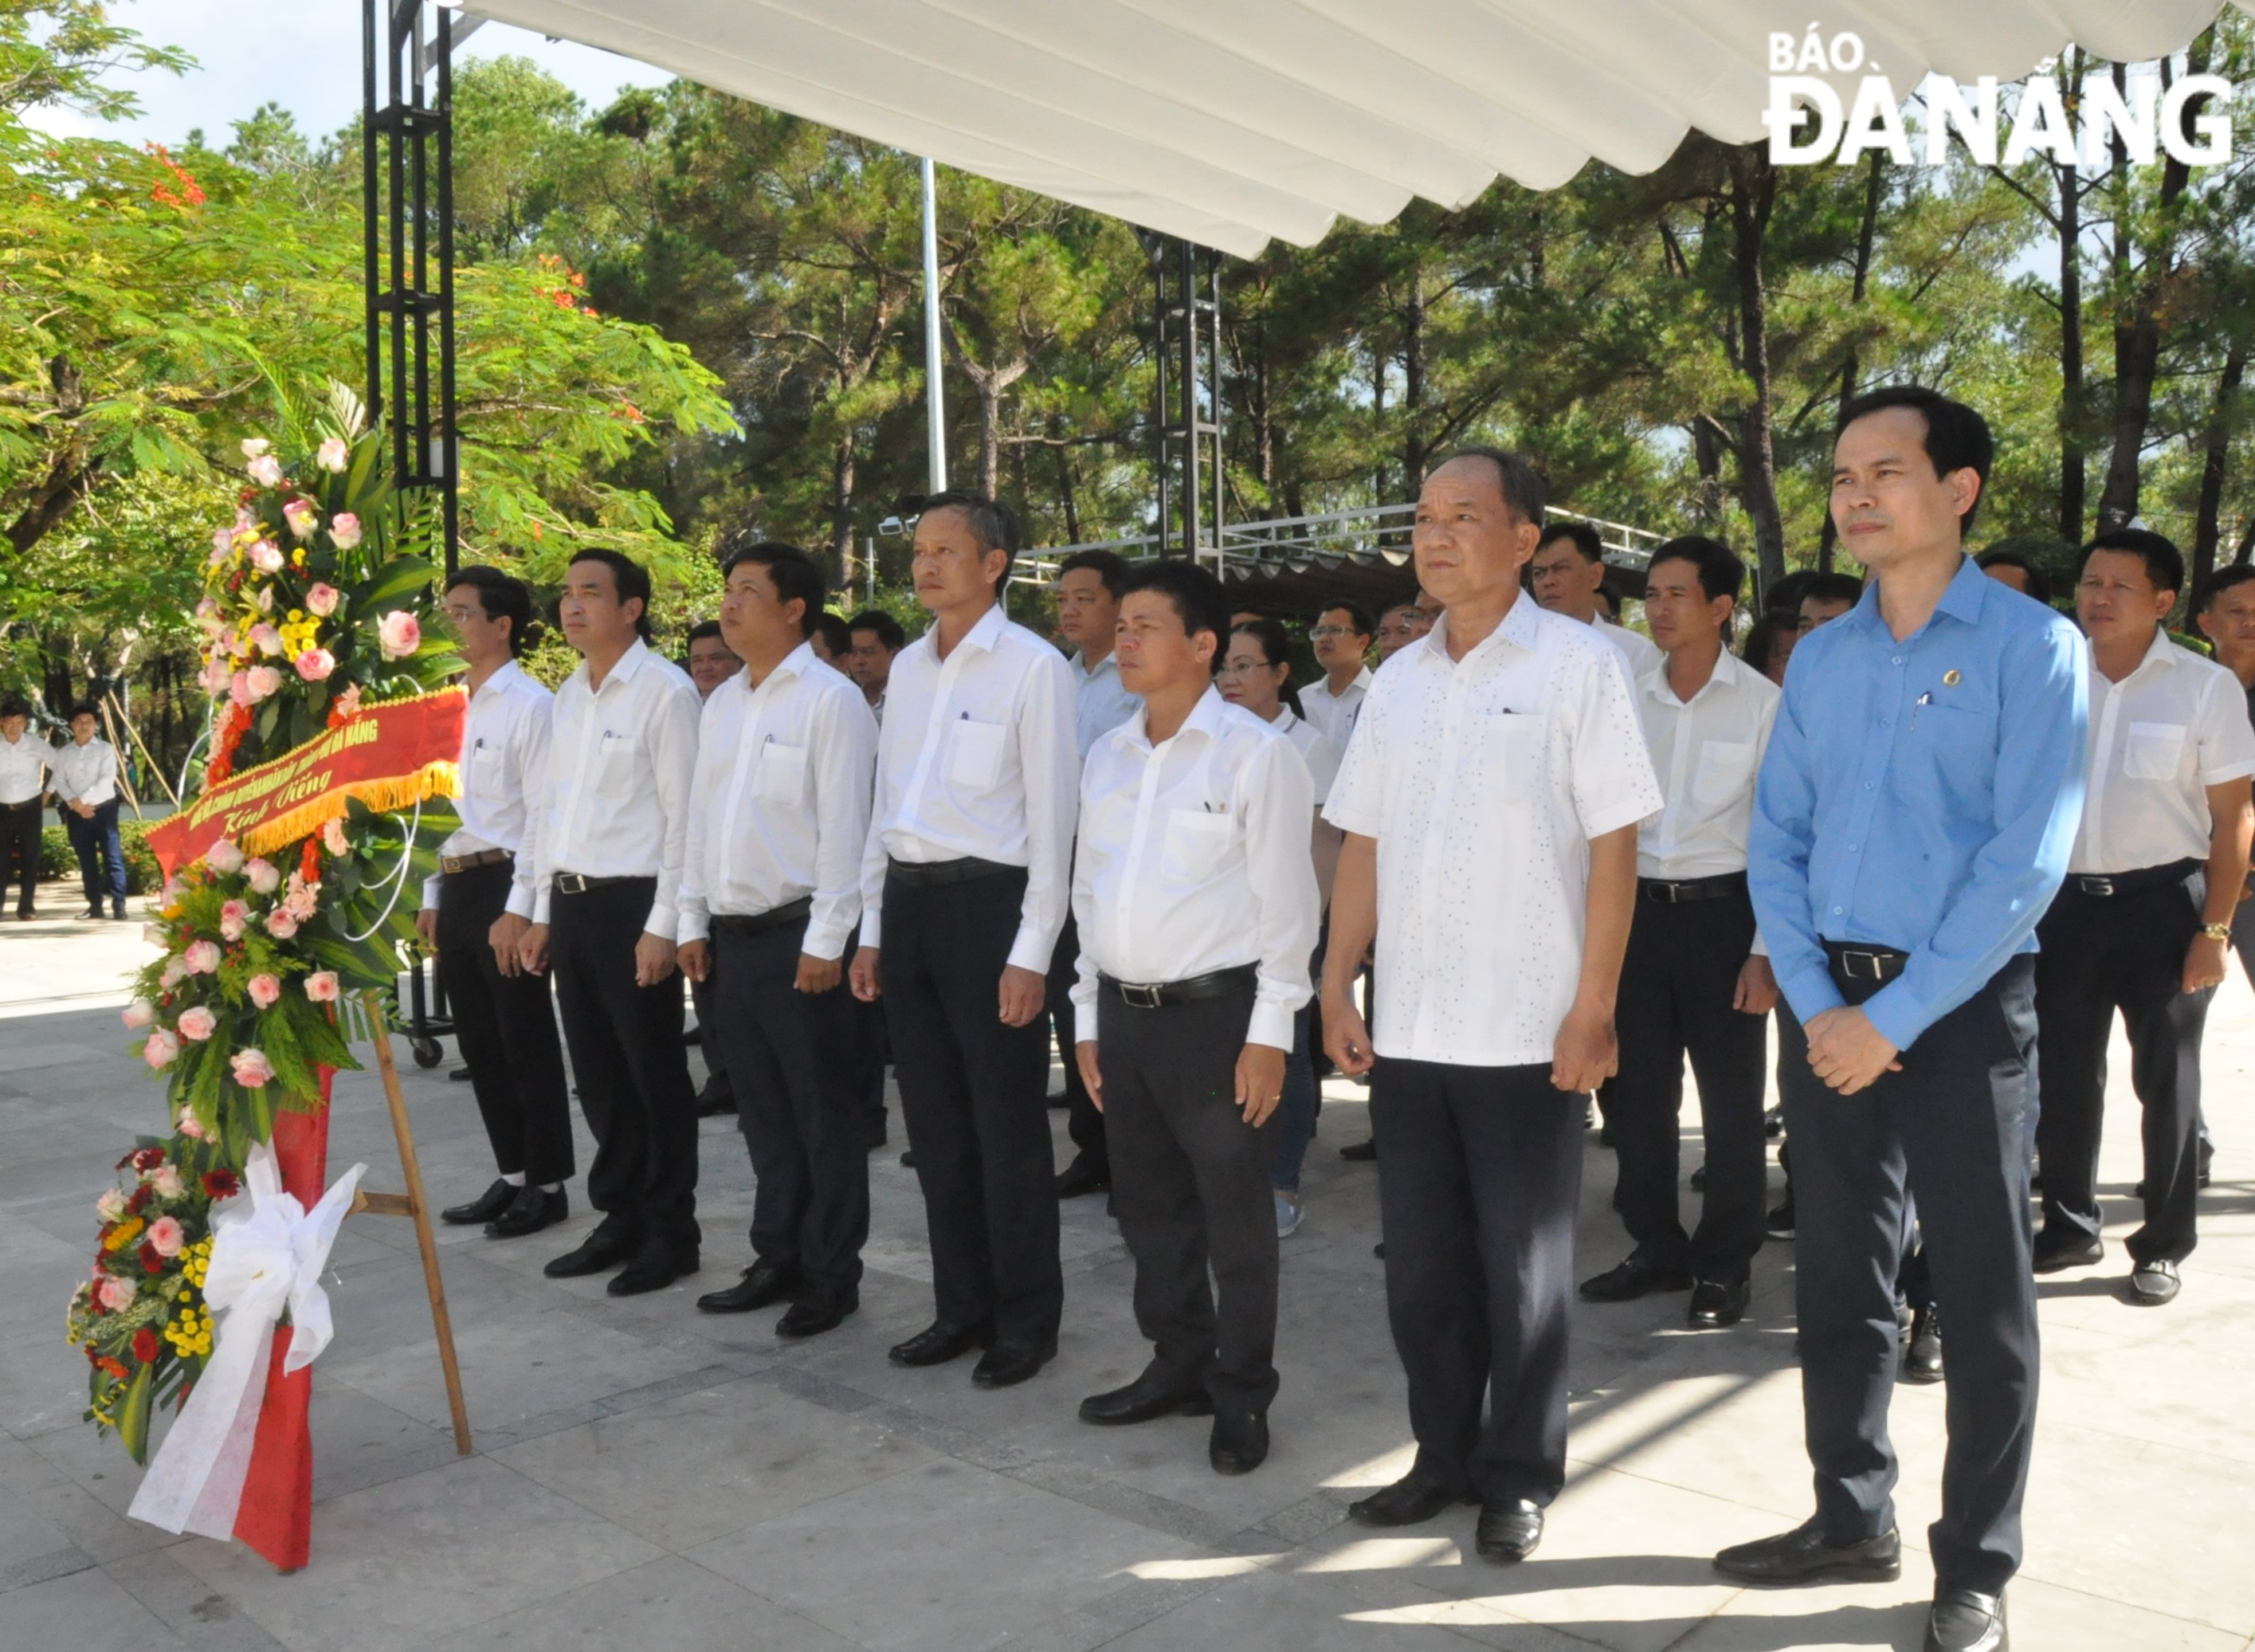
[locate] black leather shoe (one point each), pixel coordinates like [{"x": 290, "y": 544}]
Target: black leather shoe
[
  {"x": 1779, "y": 1223},
  {"x": 1717, "y": 1303},
  {"x": 485, "y": 1207},
  {"x": 1922, "y": 1361},
  {"x": 1965, "y": 1622},
  {"x": 1409, "y": 1502},
  {"x": 1699, "y": 1179},
  {"x": 763, "y": 1283},
  {"x": 939, "y": 1343},
  {"x": 2057, "y": 1251},
  {"x": 1361, "y": 1152},
  {"x": 1509, "y": 1528},
  {"x": 1633, "y": 1277},
  {"x": 1081, "y": 1176},
  {"x": 1239, "y": 1444},
  {"x": 1146, "y": 1397},
  {"x": 652, "y": 1270},
  {"x": 1802, "y": 1556},
  {"x": 458, "y": 1075},
  {"x": 1059, "y": 1101},
  {"x": 2153, "y": 1284},
  {"x": 818, "y": 1311},
  {"x": 1007, "y": 1364},
  {"x": 532, "y": 1209},
  {"x": 598, "y": 1253},
  {"x": 715, "y": 1101}
]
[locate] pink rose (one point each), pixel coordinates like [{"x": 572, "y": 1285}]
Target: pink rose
[
  {"x": 266, "y": 556},
  {"x": 111, "y": 1206},
  {"x": 315, "y": 665},
  {"x": 254, "y": 446},
  {"x": 139, "y": 1013},
  {"x": 265, "y": 639},
  {"x": 208, "y": 616},
  {"x": 189, "y": 1128},
  {"x": 331, "y": 454},
  {"x": 238, "y": 688},
  {"x": 234, "y": 919},
  {"x": 165, "y": 1182},
  {"x": 115, "y": 1295},
  {"x": 398, "y": 634},
  {"x": 333, "y": 839},
  {"x": 160, "y": 1050},
  {"x": 217, "y": 678},
  {"x": 198, "y": 1023},
  {"x": 171, "y": 974},
  {"x": 265, "y": 991},
  {"x": 344, "y": 529},
  {"x": 300, "y": 516},
  {"x": 321, "y": 986},
  {"x": 265, "y": 470},
  {"x": 265, "y": 876},
  {"x": 224, "y": 857},
  {"x": 201, "y": 957},
  {"x": 322, "y": 600},
  {"x": 261, "y": 682},
  {"x": 222, "y": 546},
  {"x": 166, "y": 1237},
  {"x": 280, "y": 925},
  {"x": 252, "y": 1070},
  {"x": 266, "y": 596}
]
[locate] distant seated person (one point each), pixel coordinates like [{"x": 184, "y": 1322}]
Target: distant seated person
[
  {"x": 831, "y": 640},
  {"x": 2011, "y": 568},
  {"x": 86, "y": 794}
]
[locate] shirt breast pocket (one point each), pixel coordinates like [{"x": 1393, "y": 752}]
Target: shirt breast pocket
[
  {"x": 1725, "y": 766},
  {"x": 976, "y": 758},
  {"x": 488, "y": 775},
  {"x": 618, "y": 754},
  {"x": 781, "y": 776},
  {"x": 2153, "y": 751},
  {"x": 1197, "y": 844}
]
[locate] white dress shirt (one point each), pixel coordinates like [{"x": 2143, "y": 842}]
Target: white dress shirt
[
  {"x": 1639, "y": 650},
  {"x": 976, "y": 758},
  {"x": 1333, "y": 715},
  {"x": 616, "y": 802},
  {"x": 86, "y": 773},
  {"x": 2159, "y": 739},
  {"x": 1315, "y": 747},
  {"x": 1193, "y": 858},
  {"x": 1707, "y": 751},
  {"x": 504, "y": 760},
  {"x": 24, "y": 765},
  {"x": 780, "y": 807},
  {"x": 1483, "y": 780},
  {"x": 1100, "y": 704}
]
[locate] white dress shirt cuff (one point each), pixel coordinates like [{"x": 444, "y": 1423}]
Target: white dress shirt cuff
[
  {"x": 692, "y": 923},
  {"x": 540, "y": 906},
  {"x": 431, "y": 886},
  {"x": 521, "y": 902},
  {"x": 1760, "y": 948},
  {"x": 1030, "y": 951},
  {"x": 1271, "y": 1025},
  {"x": 825, "y": 941},
  {"x": 663, "y": 921},
  {"x": 871, "y": 930},
  {"x": 1084, "y": 989}
]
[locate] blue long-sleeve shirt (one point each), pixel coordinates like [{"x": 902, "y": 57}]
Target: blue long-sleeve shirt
[{"x": 1921, "y": 795}]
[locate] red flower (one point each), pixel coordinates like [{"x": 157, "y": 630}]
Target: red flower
[
  {"x": 145, "y": 1346},
  {"x": 148, "y": 1158},
  {"x": 151, "y": 1262},
  {"x": 221, "y": 1183},
  {"x": 92, "y": 1357},
  {"x": 133, "y": 1206},
  {"x": 113, "y": 1367}
]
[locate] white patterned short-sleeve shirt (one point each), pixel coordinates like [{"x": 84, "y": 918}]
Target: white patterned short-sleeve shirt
[{"x": 1483, "y": 781}]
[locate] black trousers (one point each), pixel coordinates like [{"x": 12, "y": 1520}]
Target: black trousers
[
  {"x": 1676, "y": 983},
  {"x": 1083, "y": 1121},
  {"x": 973, "y": 1092},
  {"x": 872, "y": 1050},
  {"x": 633, "y": 1075},
  {"x": 709, "y": 1043},
  {"x": 20, "y": 844},
  {"x": 1952, "y": 1128},
  {"x": 2126, "y": 952},
  {"x": 1479, "y": 1170},
  {"x": 791, "y": 1059},
  {"x": 506, "y": 1025},
  {"x": 1192, "y": 1186}
]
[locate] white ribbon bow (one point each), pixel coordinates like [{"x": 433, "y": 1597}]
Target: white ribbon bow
[{"x": 263, "y": 1259}]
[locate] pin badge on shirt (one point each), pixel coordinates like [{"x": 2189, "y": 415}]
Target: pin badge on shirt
[{"x": 1951, "y": 679}]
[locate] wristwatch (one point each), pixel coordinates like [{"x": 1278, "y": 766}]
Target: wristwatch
[{"x": 2216, "y": 931}]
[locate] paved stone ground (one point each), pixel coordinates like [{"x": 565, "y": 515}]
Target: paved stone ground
[{"x": 649, "y": 1476}]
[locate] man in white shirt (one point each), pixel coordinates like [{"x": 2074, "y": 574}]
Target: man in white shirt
[
  {"x": 86, "y": 796},
  {"x": 876, "y": 636},
  {"x": 1568, "y": 569},
  {"x": 604, "y": 875},
  {"x": 1695, "y": 980},
  {"x": 2225, "y": 613},
  {"x": 1490, "y": 796},
  {"x": 964, "y": 886},
  {"x": 1401, "y": 625},
  {"x": 2142, "y": 921},
  {"x": 711, "y": 663},
  {"x": 24, "y": 761},
  {"x": 1088, "y": 616},
  {"x": 475, "y": 912},
  {"x": 770, "y": 892},
  {"x": 1197, "y": 905},
  {"x": 1341, "y": 639}
]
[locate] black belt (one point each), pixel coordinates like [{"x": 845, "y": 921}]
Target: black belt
[
  {"x": 1676, "y": 891},
  {"x": 2104, "y": 886},
  {"x": 452, "y": 863},
  {"x": 1858, "y": 962},
  {"x": 760, "y": 922},
  {"x": 1222, "y": 983},
  {"x": 924, "y": 875},
  {"x": 580, "y": 883}
]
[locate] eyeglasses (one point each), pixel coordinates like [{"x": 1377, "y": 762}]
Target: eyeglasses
[{"x": 1326, "y": 633}]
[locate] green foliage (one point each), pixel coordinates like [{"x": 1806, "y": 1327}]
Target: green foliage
[{"x": 56, "y": 860}]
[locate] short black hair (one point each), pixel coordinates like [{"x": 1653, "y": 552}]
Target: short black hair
[
  {"x": 835, "y": 636},
  {"x": 1831, "y": 586},
  {"x": 1358, "y": 617},
  {"x": 2219, "y": 583},
  {"x": 1198, "y": 596},
  {"x": 887, "y": 627},
  {"x": 2164, "y": 562},
  {"x": 1956, "y": 437},
  {"x": 1107, "y": 566},
  {"x": 629, "y": 576},
  {"x": 1517, "y": 477},
  {"x": 84, "y": 708},
  {"x": 502, "y": 596},
  {"x": 794, "y": 572},
  {"x": 2039, "y": 578},
  {"x": 1721, "y": 573},
  {"x": 704, "y": 629},
  {"x": 993, "y": 523},
  {"x": 1584, "y": 536},
  {"x": 14, "y": 707}
]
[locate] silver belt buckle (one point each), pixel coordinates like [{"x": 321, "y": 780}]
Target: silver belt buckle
[
  {"x": 570, "y": 883},
  {"x": 2094, "y": 885},
  {"x": 1145, "y": 997},
  {"x": 1849, "y": 960}
]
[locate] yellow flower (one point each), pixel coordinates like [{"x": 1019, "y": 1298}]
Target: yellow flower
[{"x": 124, "y": 1233}]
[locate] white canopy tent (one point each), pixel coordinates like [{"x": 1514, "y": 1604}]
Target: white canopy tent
[{"x": 1233, "y": 121}]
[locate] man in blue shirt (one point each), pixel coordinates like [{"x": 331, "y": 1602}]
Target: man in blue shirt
[{"x": 1914, "y": 820}]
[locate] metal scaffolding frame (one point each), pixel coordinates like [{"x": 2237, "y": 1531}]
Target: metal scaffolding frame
[{"x": 1186, "y": 281}]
